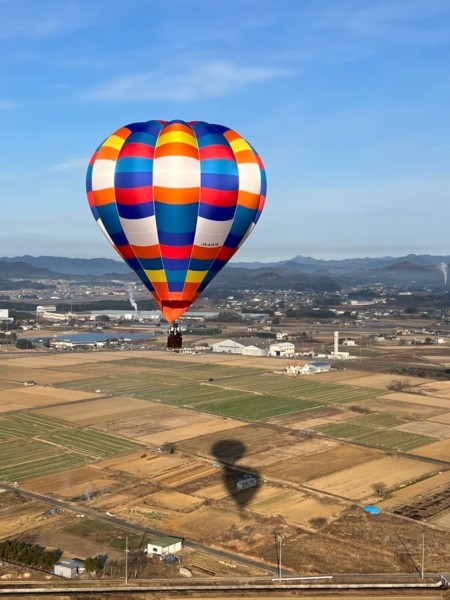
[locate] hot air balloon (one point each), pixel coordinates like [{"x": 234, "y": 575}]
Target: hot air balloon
[{"x": 176, "y": 200}]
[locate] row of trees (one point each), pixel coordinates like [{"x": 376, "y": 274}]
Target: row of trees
[{"x": 29, "y": 555}]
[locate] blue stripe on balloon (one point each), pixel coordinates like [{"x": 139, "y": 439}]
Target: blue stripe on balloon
[
  {"x": 175, "y": 286},
  {"x": 136, "y": 211},
  {"x": 233, "y": 241},
  {"x": 132, "y": 164},
  {"x": 176, "y": 239},
  {"x": 219, "y": 166},
  {"x": 212, "y": 139},
  {"x": 263, "y": 182},
  {"x": 176, "y": 263},
  {"x": 132, "y": 180},
  {"x": 119, "y": 238},
  {"x": 216, "y": 213},
  {"x": 151, "y": 264},
  {"x": 89, "y": 178},
  {"x": 198, "y": 264},
  {"x": 142, "y": 137},
  {"x": 110, "y": 218},
  {"x": 242, "y": 220},
  {"x": 176, "y": 218},
  {"x": 217, "y": 266},
  {"x": 176, "y": 276},
  {"x": 220, "y": 182}
]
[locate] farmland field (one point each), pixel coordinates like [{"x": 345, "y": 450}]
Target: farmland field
[
  {"x": 91, "y": 443},
  {"x": 356, "y": 483},
  {"x": 21, "y": 459},
  {"x": 322, "y": 463}
]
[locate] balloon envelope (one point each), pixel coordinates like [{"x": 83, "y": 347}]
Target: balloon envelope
[{"x": 176, "y": 200}]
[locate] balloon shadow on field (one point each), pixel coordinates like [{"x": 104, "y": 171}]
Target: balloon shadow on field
[{"x": 241, "y": 482}]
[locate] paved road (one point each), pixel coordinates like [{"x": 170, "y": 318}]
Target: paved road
[{"x": 96, "y": 514}]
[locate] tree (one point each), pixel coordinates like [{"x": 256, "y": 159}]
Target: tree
[
  {"x": 24, "y": 344},
  {"x": 380, "y": 489},
  {"x": 92, "y": 565}
]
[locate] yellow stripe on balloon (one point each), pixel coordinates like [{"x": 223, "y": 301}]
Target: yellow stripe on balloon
[
  {"x": 239, "y": 145},
  {"x": 180, "y": 137},
  {"x": 114, "y": 141},
  {"x": 156, "y": 276},
  {"x": 195, "y": 276}
]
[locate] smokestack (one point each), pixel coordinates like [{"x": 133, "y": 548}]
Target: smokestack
[
  {"x": 336, "y": 342},
  {"x": 443, "y": 268}
]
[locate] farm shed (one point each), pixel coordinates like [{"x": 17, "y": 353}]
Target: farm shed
[
  {"x": 69, "y": 568},
  {"x": 247, "y": 482},
  {"x": 282, "y": 349},
  {"x": 164, "y": 545}
]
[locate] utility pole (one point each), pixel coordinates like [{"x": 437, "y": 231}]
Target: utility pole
[
  {"x": 279, "y": 538},
  {"x": 126, "y": 560},
  {"x": 423, "y": 554}
]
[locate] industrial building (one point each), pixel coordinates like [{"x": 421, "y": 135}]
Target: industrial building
[
  {"x": 246, "y": 482},
  {"x": 282, "y": 349}
]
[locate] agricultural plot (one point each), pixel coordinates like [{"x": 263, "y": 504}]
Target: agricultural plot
[
  {"x": 91, "y": 444},
  {"x": 432, "y": 429},
  {"x": 302, "y": 388},
  {"x": 22, "y": 459},
  {"x": 81, "y": 481},
  {"x": 392, "y": 439},
  {"x": 297, "y": 508},
  {"x": 250, "y": 439},
  {"x": 438, "y": 450},
  {"x": 99, "y": 411},
  {"x": 321, "y": 463},
  {"x": 357, "y": 483},
  {"x": 105, "y": 534},
  {"x": 26, "y": 425}
]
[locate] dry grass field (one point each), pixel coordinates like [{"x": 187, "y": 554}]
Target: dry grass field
[
  {"x": 69, "y": 484},
  {"x": 426, "y": 487},
  {"x": 36, "y": 396},
  {"x": 437, "y": 450},
  {"x": 339, "y": 459}
]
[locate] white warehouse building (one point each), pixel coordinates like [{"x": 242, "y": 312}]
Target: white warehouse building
[
  {"x": 228, "y": 347},
  {"x": 282, "y": 349}
]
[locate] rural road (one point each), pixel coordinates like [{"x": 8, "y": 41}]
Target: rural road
[{"x": 96, "y": 514}]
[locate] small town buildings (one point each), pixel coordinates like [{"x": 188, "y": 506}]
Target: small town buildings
[
  {"x": 164, "y": 545},
  {"x": 309, "y": 368},
  {"x": 282, "y": 349},
  {"x": 69, "y": 568}
]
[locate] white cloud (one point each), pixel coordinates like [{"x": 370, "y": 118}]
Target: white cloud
[
  {"x": 213, "y": 79},
  {"x": 76, "y": 163}
]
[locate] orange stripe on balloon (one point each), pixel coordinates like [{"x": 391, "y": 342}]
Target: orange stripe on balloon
[
  {"x": 147, "y": 251},
  {"x": 204, "y": 253},
  {"x": 246, "y": 156},
  {"x": 176, "y": 127},
  {"x": 106, "y": 196},
  {"x": 123, "y": 132},
  {"x": 248, "y": 199},
  {"x": 231, "y": 135},
  {"x": 176, "y": 149},
  {"x": 176, "y": 195},
  {"x": 107, "y": 153}
]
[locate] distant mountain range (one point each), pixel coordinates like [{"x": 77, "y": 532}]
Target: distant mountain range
[{"x": 297, "y": 273}]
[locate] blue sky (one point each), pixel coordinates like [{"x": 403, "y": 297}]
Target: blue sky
[{"x": 345, "y": 100}]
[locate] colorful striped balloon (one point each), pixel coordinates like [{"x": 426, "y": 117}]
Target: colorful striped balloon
[{"x": 176, "y": 200}]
